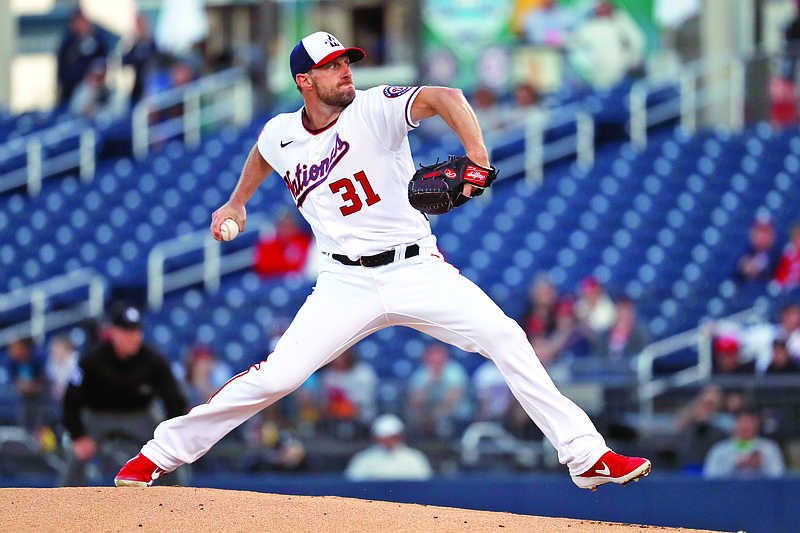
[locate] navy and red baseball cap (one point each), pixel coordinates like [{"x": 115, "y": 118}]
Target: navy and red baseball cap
[{"x": 317, "y": 49}]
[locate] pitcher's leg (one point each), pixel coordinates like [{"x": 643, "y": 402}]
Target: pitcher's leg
[
  {"x": 325, "y": 326},
  {"x": 461, "y": 314}
]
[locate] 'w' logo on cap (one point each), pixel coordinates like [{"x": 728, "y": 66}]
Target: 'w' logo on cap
[{"x": 331, "y": 40}]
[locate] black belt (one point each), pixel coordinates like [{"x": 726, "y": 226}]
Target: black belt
[{"x": 383, "y": 258}]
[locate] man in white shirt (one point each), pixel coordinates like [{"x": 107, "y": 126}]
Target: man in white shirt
[
  {"x": 745, "y": 454},
  {"x": 390, "y": 457}
]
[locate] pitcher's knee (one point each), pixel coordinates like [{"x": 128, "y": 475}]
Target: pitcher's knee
[
  {"x": 506, "y": 337},
  {"x": 512, "y": 331}
]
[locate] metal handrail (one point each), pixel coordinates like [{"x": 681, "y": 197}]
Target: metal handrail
[
  {"x": 539, "y": 152},
  {"x": 36, "y": 296},
  {"x": 38, "y": 165},
  {"x": 208, "y": 272},
  {"x": 691, "y": 98},
  {"x": 685, "y": 106},
  {"x": 649, "y": 386},
  {"x": 234, "y": 102}
]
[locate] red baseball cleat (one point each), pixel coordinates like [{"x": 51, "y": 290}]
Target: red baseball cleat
[
  {"x": 613, "y": 468},
  {"x": 138, "y": 472}
]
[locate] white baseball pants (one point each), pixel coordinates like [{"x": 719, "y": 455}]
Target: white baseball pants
[{"x": 350, "y": 302}]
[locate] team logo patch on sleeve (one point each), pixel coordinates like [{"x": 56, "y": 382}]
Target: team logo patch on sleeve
[{"x": 394, "y": 91}]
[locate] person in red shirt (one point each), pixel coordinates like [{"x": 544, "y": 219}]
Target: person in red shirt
[
  {"x": 285, "y": 251},
  {"x": 788, "y": 273}
]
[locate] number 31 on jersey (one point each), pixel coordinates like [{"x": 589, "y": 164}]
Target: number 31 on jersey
[{"x": 352, "y": 200}]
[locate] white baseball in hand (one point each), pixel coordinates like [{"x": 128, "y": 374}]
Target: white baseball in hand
[{"x": 229, "y": 229}]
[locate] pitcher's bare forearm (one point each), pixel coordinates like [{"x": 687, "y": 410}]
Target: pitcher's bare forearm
[
  {"x": 452, "y": 106},
  {"x": 255, "y": 171}
]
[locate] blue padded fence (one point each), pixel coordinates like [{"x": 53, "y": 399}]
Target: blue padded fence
[
  {"x": 667, "y": 500},
  {"x": 755, "y": 506}
]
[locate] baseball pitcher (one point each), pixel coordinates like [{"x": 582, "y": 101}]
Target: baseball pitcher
[{"x": 345, "y": 159}]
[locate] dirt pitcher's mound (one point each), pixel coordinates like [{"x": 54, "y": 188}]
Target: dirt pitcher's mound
[{"x": 181, "y": 509}]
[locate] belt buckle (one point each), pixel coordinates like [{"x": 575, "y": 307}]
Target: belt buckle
[{"x": 361, "y": 262}]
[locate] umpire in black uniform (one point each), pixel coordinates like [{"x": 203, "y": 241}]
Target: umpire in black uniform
[{"x": 110, "y": 395}]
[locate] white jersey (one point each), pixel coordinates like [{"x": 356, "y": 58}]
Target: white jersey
[{"x": 350, "y": 179}]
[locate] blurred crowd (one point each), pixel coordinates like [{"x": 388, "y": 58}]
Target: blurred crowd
[
  {"x": 763, "y": 348},
  {"x": 597, "y": 45},
  {"x": 84, "y": 404},
  {"x": 600, "y": 45},
  {"x": 86, "y": 59}
]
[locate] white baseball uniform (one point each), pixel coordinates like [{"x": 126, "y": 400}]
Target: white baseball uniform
[{"x": 350, "y": 182}]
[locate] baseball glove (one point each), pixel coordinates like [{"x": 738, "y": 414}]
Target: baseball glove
[{"x": 437, "y": 189}]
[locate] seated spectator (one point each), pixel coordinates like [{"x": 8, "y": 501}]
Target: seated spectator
[
  {"x": 181, "y": 73},
  {"x": 788, "y": 272},
  {"x": 494, "y": 115},
  {"x": 760, "y": 262},
  {"x": 756, "y": 339},
  {"x": 349, "y": 392},
  {"x": 62, "y": 361},
  {"x": 594, "y": 307},
  {"x": 539, "y": 319},
  {"x": 166, "y": 74},
  {"x": 781, "y": 363},
  {"x": 438, "y": 395},
  {"x": 745, "y": 454},
  {"x": 491, "y": 392},
  {"x": 483, "y": 98},
  {"x": 286, "y": 250},
  {"x": 205, "y": 374},
  {"x": 789, "y": 329},
  {"x": 93, "y": 99},
  {"x": 525, "y": 96},
  {"x": 627, "y": 337},
  {"x": 608, "y": 48},
  {"x": 389, "y": 458},
  {"x": 699, "y": 426},
  {"x": 26, "y": 371},
  {"x": 570, "y": 336},
  {"x": 141, "y": 56},
  {"x": 159, "y": 78},
  {"x": 80, "y": 46},
  {"x": 726, "y": 357}
]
